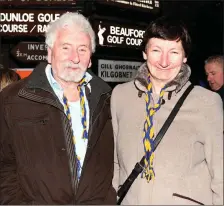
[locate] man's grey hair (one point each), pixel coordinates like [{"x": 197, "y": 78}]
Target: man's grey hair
[
  {"x": 215, "y": 59},
  {"x": 69, "y": 19}
]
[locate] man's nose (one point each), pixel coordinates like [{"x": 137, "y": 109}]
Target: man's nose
[
  {"x": 75, "y": 56},
  {"x": 164, "y": 60},
  {"x": 209, "y": 78}
]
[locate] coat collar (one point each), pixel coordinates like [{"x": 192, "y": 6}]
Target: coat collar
[
  {"x": 38, "y": 80},
  {"x": 176, "y": 84},
  {"x": 34, "y": 86}
]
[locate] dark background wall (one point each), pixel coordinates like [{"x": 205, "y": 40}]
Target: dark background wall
[
  {"x": 205, "y": 23},
  {"x": 203, "y": 18}
]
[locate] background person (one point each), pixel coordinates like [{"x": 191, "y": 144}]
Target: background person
[
  {"x": 7, "y": 76},
  {"x": 215, "y": 74},
  {"x": 56, "y": 138},
  {"x": 187, "y": 166}
]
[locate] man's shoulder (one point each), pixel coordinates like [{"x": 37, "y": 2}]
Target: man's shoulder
[
  {"x": 13, "y": 88},
  {"x": 37, "y": 75},
  {"x": 206, "y": 97},
  {"x": 221, "y": 92}
]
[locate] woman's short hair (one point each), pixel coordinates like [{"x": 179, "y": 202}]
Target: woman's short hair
[
  {"x": 69, "y": 19},
  {"x": 168, "y": 28},
  {"x": 7, "y": 76}
]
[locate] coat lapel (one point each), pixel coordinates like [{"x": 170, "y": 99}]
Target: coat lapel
[
  {"x": 100, "y": 95},
  {"x": 38, "y": 89}
]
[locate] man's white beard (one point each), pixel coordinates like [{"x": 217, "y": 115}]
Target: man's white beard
[{"x": 72, "y": 76}]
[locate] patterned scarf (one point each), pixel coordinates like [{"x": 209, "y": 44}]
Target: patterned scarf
[
  {"x": 148, "y": 132},
  {"x": 83, "y": 119}
]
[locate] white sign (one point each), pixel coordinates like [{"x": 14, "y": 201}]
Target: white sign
[
  {"x": 117, "y": 71},
  {"x": 111, "y": 34}
]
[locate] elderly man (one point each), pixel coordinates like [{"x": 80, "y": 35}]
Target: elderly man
[
  {"x": 56, "y": 139},
  {"x": 215, "y": 71}
]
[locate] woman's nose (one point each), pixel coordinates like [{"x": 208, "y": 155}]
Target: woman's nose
[{"x": 164, "y": 60}]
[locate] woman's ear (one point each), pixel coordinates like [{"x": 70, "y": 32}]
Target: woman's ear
[
  {"x": 185, "y": 60},
  {"x": 144, "y": 55}
]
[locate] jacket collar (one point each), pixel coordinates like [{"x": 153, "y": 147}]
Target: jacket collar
[
  {"x": 38, "y": 80},
  {"x": 34, "y": 86},
  {"x": 176, "y": 84}
]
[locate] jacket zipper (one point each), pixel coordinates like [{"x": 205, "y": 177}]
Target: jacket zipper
[
  {"x": 74, "y": 188},
  {"x": 84, "y": 163}
]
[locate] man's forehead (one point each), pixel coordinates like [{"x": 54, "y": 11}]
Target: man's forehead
[
  {"x": 69, "y": 30},
  {"x": 214, "y": 66},
  {"x": 73, "y": 34}
]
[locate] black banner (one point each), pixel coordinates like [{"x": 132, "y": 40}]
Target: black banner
[
  {"x": 148, "y": 5},
  {"x": 37, "y": 2},
  {"x": 30, "y": 52}
]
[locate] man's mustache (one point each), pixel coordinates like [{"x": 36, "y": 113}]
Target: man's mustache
[{"x": 70, "y": 64}]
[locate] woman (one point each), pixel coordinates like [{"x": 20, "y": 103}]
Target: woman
[
  {"x": 7, "y": 77},
  {"x": 187, "y": 166}
]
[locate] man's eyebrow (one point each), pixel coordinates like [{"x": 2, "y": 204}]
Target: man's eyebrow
[
  {"x": 210, "y": 72},
  {"x": 84, "y": 45},
  {"x": 174, "y": 48},
  {"x": 66, "y": 44}
]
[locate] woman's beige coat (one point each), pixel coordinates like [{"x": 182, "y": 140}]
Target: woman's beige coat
[{"x": 189, "y": 160}]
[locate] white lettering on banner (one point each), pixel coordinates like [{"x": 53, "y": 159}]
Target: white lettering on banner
[
  {"x": 131, "y": 41},
  {"x": 47, "y": 17},
  {"x": 36, "y": 57},
  {"x": 117, "y": 71},
  {"x": 115, "y": 39},
  {"x": 34, "y": 47},
  {"x": 141, "y": 5},
  {"x": 120, "y": 40},
  {"x": 146, "y": 4},
  {"x": 117, "y": 35},
  {"x": 11, "y": 28},
  {"x": 42, "y": 28},
  {"x": 26, "y": 22},
  {"x": 126, "y": 32},
  {"x": 123, "y": 2},
  {"x": 17, "y": 17}
]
